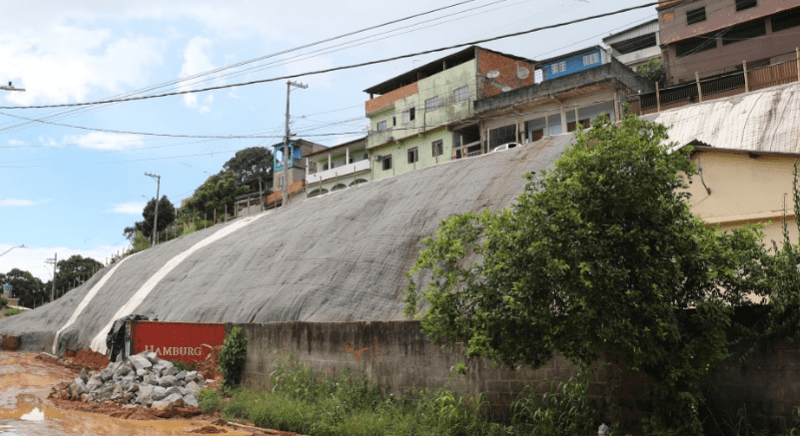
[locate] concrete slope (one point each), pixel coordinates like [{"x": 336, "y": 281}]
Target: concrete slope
[{"x": 337, "y": 257}]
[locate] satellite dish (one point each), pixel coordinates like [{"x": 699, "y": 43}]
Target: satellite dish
[
  {"x": 523, "y": 73},
  {"x": 506, "y": 88},
  {"x": 492, "y": 74}
]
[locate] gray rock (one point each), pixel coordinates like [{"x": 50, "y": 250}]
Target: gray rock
[
  {"x": 153, "y": 381},
  {"x": 140, "y": 362},
  {"x": 190, "y": 401},
  {"x": 83, "y": 375},
  {"x": 158, "y": 393},
  {"x": 151, "y": 356},
  {"x": 157, "y": 369},
  {"x": 165, "y": 363},
  {"x": 126, "y": 382},
  {"x": 94, "y": 382},
  {"x": 193, "y": 388},
  {"x": 192, "y": 376},
  {"x": 122, "y": 370},
  {"x": 173, "y": 400},
  {"x": 167, "y": 381},
  {"x": 77, "y": 388},
  {"x": 134, "y": 388},
  {"x": 181, "y": 375},
  {"x": 172, "y": 370},
  {"x": 106, "y": 374},
  {"x": 173, "y": 390},
  {"x": 144, "y": 394},
  {"x": 128, "y": 396}
]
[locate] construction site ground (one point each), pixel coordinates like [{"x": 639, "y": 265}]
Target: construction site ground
[{"x": 31, "y": 404}]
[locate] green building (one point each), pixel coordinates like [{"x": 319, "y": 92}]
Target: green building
[
  {"x": 423, "y": 117},
  {"x": 337, "y": 167}
]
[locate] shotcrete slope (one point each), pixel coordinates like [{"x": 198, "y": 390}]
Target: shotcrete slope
[{"x": 337, "y": 257}]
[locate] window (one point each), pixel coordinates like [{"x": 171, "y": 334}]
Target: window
[
  {"x": 461, "y": 94},
  {"x": 745, "y": 4},
  {"x": 394, "y": 121},
  {"x": 413, "y": 155},
  {"x": 408, "y": 115},
  {"x": 573, "y": 125},
  {"x": 382, "y": 126},
  {"x": 437, "y": 148},
  {"x": 432, "y": 103},
  {"x": 786, "y": 19},
  {"x": 695, "y": 45},
  {"x": 502, "y": 135},
  {"x": 591, "y": 59},
  {"x": 635, "y": 44},
  {"x": 695, "y": 15},
  {"x": 558, "y": 67},
  {"x": 744, "y": 32},
  {"x": 280, "y": 180},
  {"x": 386, "y": 163}
]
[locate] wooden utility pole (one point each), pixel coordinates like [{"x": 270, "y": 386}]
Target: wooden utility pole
[
  {"x": 158, "y": 191},
  {"x": 746, "y": 81},
  {"x": 699, "y": 89},
  {"x": 285, "y": 196}
]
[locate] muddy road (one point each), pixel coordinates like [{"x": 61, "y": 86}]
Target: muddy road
[{"x": 26, "y": 381}]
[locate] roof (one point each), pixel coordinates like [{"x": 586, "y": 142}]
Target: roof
[
  {"x": 339, "y": 147},
  {"x": 765, "y": 121},
  {"x": 434, "y": 67},
  {"x": 570, "y": 54},
  {"x": 647, "y": 23}
]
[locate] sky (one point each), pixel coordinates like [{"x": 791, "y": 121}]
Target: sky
[{"x": 71, "y": 179}]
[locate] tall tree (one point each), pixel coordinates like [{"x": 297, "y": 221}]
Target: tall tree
[
  {"x": 599, "y": 258},
  {"x": 215, "y": 194},
  {"x": 249, "y": 165},
  {"x": 166, "y": 216},
  {"x": 75, "y": 270},
  {"x": 26, "y": 287}
]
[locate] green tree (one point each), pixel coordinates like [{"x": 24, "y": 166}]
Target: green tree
[
  {"x": 599, "y": 258},
  {"x": 75, "y": 270},
  {"x": 29, "y": 289},
  {"x": 653, "y": 70},
  {"x": 217, "y": 192},
  {"x": 249, "y": 165},
  {"x": 166, "y": 216}
]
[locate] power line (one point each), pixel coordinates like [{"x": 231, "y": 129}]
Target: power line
[{"x": 346, "y": 67}]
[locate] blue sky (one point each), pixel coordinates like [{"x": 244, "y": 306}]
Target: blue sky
[{"x": 72, "y": 191}]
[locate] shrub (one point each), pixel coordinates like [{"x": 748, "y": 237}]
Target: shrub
[
  {"x": 209, "y": 399},
  {"x": 3, "y": 302},
  {"x": 181, "y": 365},
  {"x": 232, "y": 357},
  {"x": 12, "y": 311},
  {"x": 563, "y": 409}
]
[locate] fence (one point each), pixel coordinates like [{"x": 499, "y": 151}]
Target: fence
[{"x": 717, "y": 87}]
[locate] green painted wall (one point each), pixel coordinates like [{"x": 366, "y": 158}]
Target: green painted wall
[
  {"x": 338, "y": 158},
  {"x": 399, "y": 153}
]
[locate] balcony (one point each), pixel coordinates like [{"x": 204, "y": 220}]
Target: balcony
[{"x": 344, "y": 170}]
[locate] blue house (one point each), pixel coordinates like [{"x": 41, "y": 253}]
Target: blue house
[{"x": 574, "y": 62}]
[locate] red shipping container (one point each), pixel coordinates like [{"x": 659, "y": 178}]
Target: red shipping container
[{"x": 184, "y": 341}]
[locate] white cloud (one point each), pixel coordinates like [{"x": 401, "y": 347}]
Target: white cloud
[
  {"x": 16, "y": 142},
  {"x": 195, "y": 60},
  {"x": 103, "y": 141},
  {"x": 131, "y": 208},
  {"x": 32, "y": 259},
  {"x": 11, "y": 202}
]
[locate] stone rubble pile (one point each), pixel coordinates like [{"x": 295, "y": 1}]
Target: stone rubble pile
[{"x": 143, "y": 379}]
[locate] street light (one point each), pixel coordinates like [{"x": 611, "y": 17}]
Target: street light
[
  {"x": 18, "y": 246},
  {"x": 10, "y": 87}
]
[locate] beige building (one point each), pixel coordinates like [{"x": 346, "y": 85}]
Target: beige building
[{"x": 740, "y": 186}]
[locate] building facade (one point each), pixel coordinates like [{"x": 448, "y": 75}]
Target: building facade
[
  {"x": 337, "y": 167},
  {"x": 636, "y": 45},
  {"x": 416, "y": 118},
  {"x": 574, "y": 62},
  {"x": 712, "y": 37},
  {"x": 296, "y": 170}
]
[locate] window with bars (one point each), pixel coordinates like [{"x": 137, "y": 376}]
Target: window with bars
[
  {"x": 745, "y": 4},
  {"x": 437, "y": 148},
  {"x": 461, "y": 94},
  {"x": 695, "y": 15},
  {"x": 413, "y": 155}
]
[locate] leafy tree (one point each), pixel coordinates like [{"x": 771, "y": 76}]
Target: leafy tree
[
  {"x": 599, "y": 258},
  {"x": 166, "y": 216},
  {"x": 250, "y": 165},
  {"x": 217, "y": 192},
  {"x": 26, "y": 287},
  {"x": 653, "y": 70},
  {"x": 75, "y": 270}
]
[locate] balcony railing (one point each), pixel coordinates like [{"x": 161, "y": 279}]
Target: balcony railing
[{"x": 355, "y": 167}]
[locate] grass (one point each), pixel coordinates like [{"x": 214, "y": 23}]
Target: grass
[{"x": 11, "y": 311}]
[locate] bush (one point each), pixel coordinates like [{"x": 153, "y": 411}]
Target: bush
[
  {"x": 3, "y": 302},
  {"x": 562, "y": 410},
  {"x": 209, "y": 399},
  {"x": 232, "y": 357},
  {"x": 12, "y": 311},
  {"x": 181, "y": 365}
]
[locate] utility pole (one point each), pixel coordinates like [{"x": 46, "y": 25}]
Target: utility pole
[
  {"x": 285, "y": 196},
  {"x": 158, "y": 191},
  {"x": 54, "y": 261}
]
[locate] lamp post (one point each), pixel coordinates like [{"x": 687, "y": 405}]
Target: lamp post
[
  {"x": 16, "y": 246},
  {"x": 157, "y": 178}
]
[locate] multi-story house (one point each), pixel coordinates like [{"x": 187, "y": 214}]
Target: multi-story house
[
  {"x": 636, "y": 45},
  {"x": 711, "y": 37},
  {"x": 416, "y": 117},
  {"x": 337, "y": 167},
  {"x": 574, "y": 62},
  {"x": 557, "y": 105},
  {"x": 296, "y": 171}
]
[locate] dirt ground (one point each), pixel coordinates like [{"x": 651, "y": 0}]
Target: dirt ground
[{"x": 30, "y": 383}]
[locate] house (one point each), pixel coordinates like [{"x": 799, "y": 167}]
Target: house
[
  {"x": 416, "y": 117},
  {"x": 574, "y": 62},
  {"x": 636, "y": 45},
  {"x": 712, "y": 37},
  {"x": 557, "y": 105},
  {"x": 296, "y": 170},
  {"x": 337, "y": 167}
]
